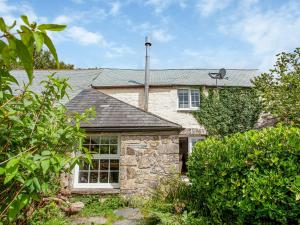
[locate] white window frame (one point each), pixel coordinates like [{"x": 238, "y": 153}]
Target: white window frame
[
  {"x": 76, "y": 183},
  {"x": 190, "y": 142},
  {"x": 190, "y": 99}
]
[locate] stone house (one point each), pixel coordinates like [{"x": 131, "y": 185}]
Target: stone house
[{"x": 133, "y": 148}]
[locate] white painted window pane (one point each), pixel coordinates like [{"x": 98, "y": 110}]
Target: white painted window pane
[
  {"x": 114, "y": 177},
  {"x": 83, "y": 177},
  {"x": 195, "y": 98},
  {"x": 105, "y": 162},
  {"x": 94, "y": 177},
  {"x": 183, "y": 98},
  {"x": 103, "y": 177},
  {"x": 113, "y": 149}
]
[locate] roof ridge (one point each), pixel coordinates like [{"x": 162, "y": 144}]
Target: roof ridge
[
  {"x": 152, "y": 114},
  {"x": 177, "y": 69}
]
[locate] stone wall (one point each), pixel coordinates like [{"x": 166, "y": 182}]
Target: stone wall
[{"x": 144, "y": 159}]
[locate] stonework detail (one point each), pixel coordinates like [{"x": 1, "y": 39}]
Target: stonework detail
[{"x": 144, "y": 159}]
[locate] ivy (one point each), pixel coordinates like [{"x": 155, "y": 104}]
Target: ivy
[{"x": 228, "y": 110}]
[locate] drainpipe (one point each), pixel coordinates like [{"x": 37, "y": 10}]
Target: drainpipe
[{"x": 147, "y": 73}]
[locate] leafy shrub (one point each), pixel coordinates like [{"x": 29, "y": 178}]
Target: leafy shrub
[
  {"x": 249, "y": 178},
  {"x": 169, "y": 204},
  {"x": 48, "y": 215},
  {"x": 96, "y": 206},
  {"x": 279, "y": 88},
  {"x": 37, "y": 137}
]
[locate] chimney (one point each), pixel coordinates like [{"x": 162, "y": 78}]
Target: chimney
[{"x": 147, "y": 73}]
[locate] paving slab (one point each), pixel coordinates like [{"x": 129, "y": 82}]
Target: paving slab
[
  {"x": 129, "y": 213},
  {"x": 89, "y": 220}
]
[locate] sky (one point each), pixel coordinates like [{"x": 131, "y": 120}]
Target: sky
[{"x": 184, "y": 33}]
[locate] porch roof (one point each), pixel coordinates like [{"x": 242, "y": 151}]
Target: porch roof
[{"x": 115, "y": 115}]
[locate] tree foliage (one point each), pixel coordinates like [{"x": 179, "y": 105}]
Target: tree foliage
[
  {"x": 280, "y": 88},
  {"x": 228, "y": 110},
  {"x": 37, "y": 135},
  {"x": 248, "y": 178},
  {"x": 44, "y": 60}
]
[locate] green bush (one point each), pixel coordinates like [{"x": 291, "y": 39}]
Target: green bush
[
  {"x": 249, "y": 178},
  {"x": 95, "y": 205},
  {"x": 48, "y": 215},
  {"x": 168, "y": 204}
]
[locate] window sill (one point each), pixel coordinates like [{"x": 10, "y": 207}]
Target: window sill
[
  {"x": 187, "y": 110},
  {"x": 95, "y": 191}
]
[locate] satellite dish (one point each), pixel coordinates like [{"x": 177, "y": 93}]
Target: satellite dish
[
  {"x": 218, "y": 76},
  {"x": 222, "y": 73}
]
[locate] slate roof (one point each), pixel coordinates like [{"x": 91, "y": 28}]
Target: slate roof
[
  {"x": 78, "y": 79},
  {"x": 115, "y": 115},
  {"x": 173, "y": 77}
]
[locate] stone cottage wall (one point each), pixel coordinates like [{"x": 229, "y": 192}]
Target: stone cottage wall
[
  {"x": 144, "y": 159},
  {"x": 163, "y": 101}
]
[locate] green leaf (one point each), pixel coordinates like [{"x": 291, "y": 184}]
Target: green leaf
[
  {"x": 16, "y": 119},
  {"x": 52, "y": 27},
  {"x": 2, "y": 170},
  {"x": 25, "y": 58},
  {"x": 51, "y": 47},
  {"x": 10, "y": 173},
  {"x": 46, "y": 152},
  {"x": 12, "y": 163},
  {"x": 39, "y": 40},
  {"x": 297, "y": 181},
  {"x": 11, "y": 169},
  {"x": 2, "y": 25},
  {"x": 36, "y": 183},
  {"x": 26, "y": 36},
  {"x": 21, "y": 201},
  {"x": 25, "y": 20},
  {"x": 13, "y": 210},
  {"x": 45, "y": 166}
]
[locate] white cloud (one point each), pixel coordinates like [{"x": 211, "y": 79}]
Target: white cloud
[
  {"x": 161, "y": 35},
  {"x": 62, "y": 19},
  {"x": 114, "y": 52},
  {"x": 5, "y": 8},
  {"x": 161, "y": 5},
  {"x": 85, "y": 37},
  {"x": 115, "y": 8},
  {"x": 267, "y": 31},
  {"x": 208, "y": 7},
  {"x": 11, "y": 12}
]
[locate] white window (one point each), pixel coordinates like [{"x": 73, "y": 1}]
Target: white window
[
  {"x": 195, "y": 99},
  {"x": 183, "y": 98},
  {"x": 193, "y": 141},
  {"x": 104, "y": 171},
  {"x": 188, "y": 99}
]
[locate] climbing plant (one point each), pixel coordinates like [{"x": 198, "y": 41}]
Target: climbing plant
[{"x": 226, "y": 111}]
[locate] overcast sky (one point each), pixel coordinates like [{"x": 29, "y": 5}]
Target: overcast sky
[{"x": 185, "y": 33}]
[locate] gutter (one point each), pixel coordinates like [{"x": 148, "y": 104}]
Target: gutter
[{"x": 117, "y": 129}]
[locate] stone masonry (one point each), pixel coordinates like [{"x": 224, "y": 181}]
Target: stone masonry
[{"x": 144, "y": 159}]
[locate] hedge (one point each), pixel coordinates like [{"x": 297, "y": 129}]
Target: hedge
[{"x": 249, "y": 178}]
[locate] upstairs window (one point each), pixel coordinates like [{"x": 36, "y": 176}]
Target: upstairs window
[
  {"x": 183, "y": 98},
  {"x": 195, "y": 98},
  {"x": 188, "y": 98}
]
